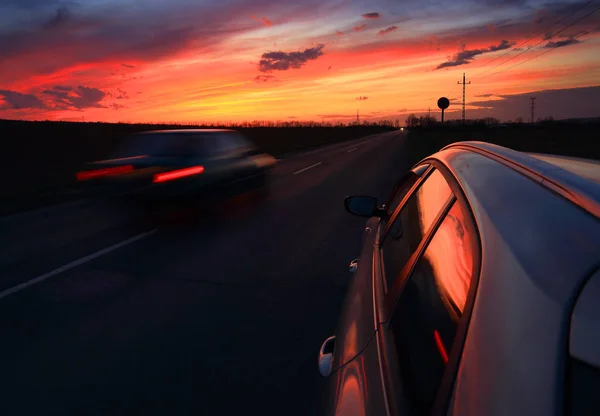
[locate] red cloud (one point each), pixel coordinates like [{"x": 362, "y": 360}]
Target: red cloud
[
  {"x": 266, "y": 22},
  {"x": 359, "y": 28}
]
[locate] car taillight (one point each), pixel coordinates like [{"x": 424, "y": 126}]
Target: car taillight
[
  {"x": 177, "y": 174},
  {"x": 91, "y": 174}
]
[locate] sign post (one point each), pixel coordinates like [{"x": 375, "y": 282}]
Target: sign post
[{"x": 443, "y": 103}]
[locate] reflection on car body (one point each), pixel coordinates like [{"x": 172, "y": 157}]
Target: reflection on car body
[
  {"x": 172, "y": 164},
  {"x": 476, "y": 293}
]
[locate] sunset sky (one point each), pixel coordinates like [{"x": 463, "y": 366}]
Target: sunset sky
[{"x": 244, "y": 60}]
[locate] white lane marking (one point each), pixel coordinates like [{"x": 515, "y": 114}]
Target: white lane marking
[
  {"x": 352, "y": 150},
  {"x": 73, "y": 264},
  {"x": 310, "y": 167}
]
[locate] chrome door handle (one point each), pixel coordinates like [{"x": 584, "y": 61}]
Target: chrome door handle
[
  {"x": 326, "y": 356},
  {"x": 353, "y": 266}
]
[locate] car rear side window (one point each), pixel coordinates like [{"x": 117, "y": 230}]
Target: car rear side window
[
  {"x": 230, "y": 143},
  {"x": 412, "y": 223},
  {"x": 178, "y": 145},
  {"x": 425, "y": 320}
]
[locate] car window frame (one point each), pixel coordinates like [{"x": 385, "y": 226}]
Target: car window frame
[
  {"x": 411, "y": 262},
  {"x": 446, "y": 386},
  {"x": 415, "y": 186},
  {"x": 419, "y": 172}
]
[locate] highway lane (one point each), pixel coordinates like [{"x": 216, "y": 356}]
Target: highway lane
[{"x": 217, "y": 311}]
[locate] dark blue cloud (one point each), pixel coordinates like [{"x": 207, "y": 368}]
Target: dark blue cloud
[
  {"x": 562, "y": 43},
  {"x": 282, "y": 61},
  {"x": 465, "y": 56}
]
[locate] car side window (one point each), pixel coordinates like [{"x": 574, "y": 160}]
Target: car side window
[
  {"x": 412, "y": 223},
  {"x": 425, "y": 320},
  {"x": 228, "y": 144},
  {"x": 177, "y": 146},
  {"x": 402, "y": 187}
]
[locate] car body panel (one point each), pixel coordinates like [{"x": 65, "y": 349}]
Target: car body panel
[
  {"x": 356, "y": 387},
  {"x": 535, "y": 257},
  {"x": 357, "y": 326},
  {"x": 540, "y": 242},
  {"x": 584, "y": 335}
]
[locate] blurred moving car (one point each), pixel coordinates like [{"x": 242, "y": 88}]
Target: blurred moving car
[
  {"x": 477, "y": 291},
  {"x": 178, "y": 164}
]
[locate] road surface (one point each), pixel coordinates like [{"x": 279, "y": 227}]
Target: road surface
[{"x": 217, "y": 311}]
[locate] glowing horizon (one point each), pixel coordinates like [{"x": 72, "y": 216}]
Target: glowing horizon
[{"x": 246, "y": 60}]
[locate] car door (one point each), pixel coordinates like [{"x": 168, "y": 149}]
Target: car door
[
  {"x": 352, "y": 388},
  {"x": 424, "y": 286}
]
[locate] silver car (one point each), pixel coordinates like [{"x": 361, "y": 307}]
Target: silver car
[{"x": 477, "y": 291}]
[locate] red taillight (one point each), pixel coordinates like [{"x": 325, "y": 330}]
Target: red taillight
[
  {"x": 91, "y": 174},
  {"x": 440, "y": 346},
  {"x": 177, "y": 174}
]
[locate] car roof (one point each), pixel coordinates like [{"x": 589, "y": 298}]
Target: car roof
[
  {"x": 587, "y": 168},
  {"x": 540, "y": 241},
  {"x": 569, "y": 177}
]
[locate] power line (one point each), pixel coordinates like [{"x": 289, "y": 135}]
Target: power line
[
  {"x": 542, "y": 41},
  {"x": 543, "y": 53},
  {"x": 535, "y": 36},
  {"x": 464, "y": 84}
]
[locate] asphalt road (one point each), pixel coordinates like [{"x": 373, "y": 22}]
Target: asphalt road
[{"x": 196, "y": 311}]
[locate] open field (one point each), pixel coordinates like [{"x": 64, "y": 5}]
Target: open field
[
  {"x": 39, "y": 159},
  {"x": 569, "y": 139}
]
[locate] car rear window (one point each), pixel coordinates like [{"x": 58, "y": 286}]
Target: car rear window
[{"x": 164, "y": 145}]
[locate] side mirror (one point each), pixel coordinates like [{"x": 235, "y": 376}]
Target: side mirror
[
  {"x": 326, "y": 357},
  {"x": 363, "y": 206}
]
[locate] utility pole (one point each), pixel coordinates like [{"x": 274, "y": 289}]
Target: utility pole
[
  {"x": 532, "y": 109},
  {"x": 357, "y": 118},
  {"x": 464, "y": 84},
  {"x": 429, "y": 115}
]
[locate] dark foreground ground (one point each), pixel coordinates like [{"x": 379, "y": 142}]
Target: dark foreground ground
[
  {"x": 209, "y": 312},
  {"x": 195, "y": 311}
]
